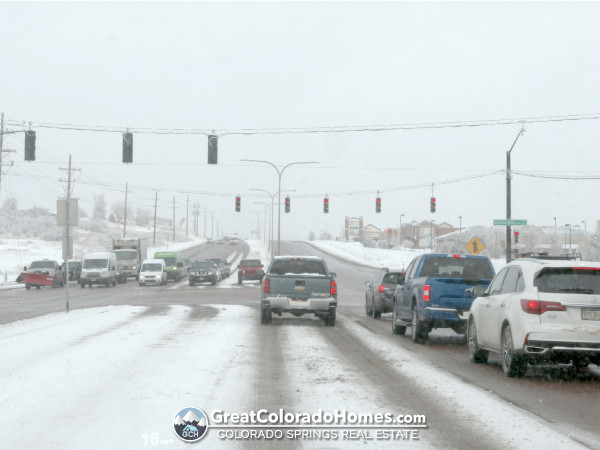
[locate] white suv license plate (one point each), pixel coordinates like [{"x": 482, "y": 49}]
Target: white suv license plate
[{"x": 590, "y": 314}]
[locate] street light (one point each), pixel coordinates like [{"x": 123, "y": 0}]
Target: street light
[
  {"x": 266, "y": 206},
  {"x": 279, "y": 174},
  {"x": 271, "y": 227},
  {"x": 459, "y": 224},
  {"x": 508, "y": 205},
  {"x": 584, "y": 225},
  {"x": 570, "y": 242},
  {"x": 400, "y": 243}
]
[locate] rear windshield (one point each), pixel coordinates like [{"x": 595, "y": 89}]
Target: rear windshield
[
  {"x": 394, "y": 277},
  {"x": 42, "y": 265},
  {"x": 297, "y": 266},
  {"x": 250, "y": 263},
  {"x": 568, "y": 279},
  {"x": 447, "y": 267},
  {"x": 126, "y": 254}
]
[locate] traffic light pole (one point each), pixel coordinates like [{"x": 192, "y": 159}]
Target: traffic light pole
[{"x": 508, "y": 199}]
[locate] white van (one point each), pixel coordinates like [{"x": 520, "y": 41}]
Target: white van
[
  {"x": 99, "y": 268},
  {"x": 153, "y": 271}
]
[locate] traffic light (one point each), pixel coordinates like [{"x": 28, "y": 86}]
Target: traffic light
[
  {"x": 326, "y": 205},
  {"x": 29, "y": 145},
  {"x": 287, "y": 204},
  {"x": 378, "y": 205},
  {"x": 432, "y": 204},
  {"x": 237, "y": 204},
  {"x": 516, "y": 233},
  {"x": 213, "y": 148},
  {"x": 127, "y": 147}
]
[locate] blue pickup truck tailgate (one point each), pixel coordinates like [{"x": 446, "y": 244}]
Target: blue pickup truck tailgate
[{"x": 450, "y": 292}]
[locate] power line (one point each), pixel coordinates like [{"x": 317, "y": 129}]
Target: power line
[{"x": 305, "y": 130}]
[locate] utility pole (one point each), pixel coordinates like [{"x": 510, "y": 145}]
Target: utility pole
[
  {"x": 67, "y": 230},
  {"x": 125, "y": 213},
  {"x": 187, "y": 214},
  {"x": 155, "y": 203},
  {"x": 204, "y": 220},
  {"x": 173, "y": 218},
  {"x": 212, "y": 225}
]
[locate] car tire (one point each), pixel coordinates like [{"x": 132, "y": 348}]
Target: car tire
[
  {"x": 330, "y": 319},
  {"x": 367, "y": 310},
  {"x": 418, "y": 332},
  {"x": 512, "y": 365},
  {"x": 396, "y": 329},
  {"x": 240, "y": 280},
  {"x": 265, "y": 316},
  {"x": 82, "y": 285},
  {"x": 27, "y": 286},
  {"x": 192, "y": 283},
  {"x": 476, "y": 355}
]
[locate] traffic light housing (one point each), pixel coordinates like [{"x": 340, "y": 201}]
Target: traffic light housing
[
  {"x": 326, "y": 205},
  {"x": 238, "y": 204},
  {"x": 432, "y": 204},
  {"x": 378, "y": 205},
  {"x": 213, "y": 148},
  {"x": 287, "y": 204},
  {"x": 29, "y": 145},
  {"x": 127, "y": 147},
  {"x": 516, "y": 234}
]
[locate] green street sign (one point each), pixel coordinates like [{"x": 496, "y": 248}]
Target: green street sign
[{"x": 507, "y": 222}]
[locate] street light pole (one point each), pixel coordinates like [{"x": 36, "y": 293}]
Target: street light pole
[
  {"x": 271, "y": 216},
  {"x": 266, "y": 206},
  {"x": 459, "y": 224},
  {"x": 584, "y": 225},
  {"x": 279, "y": 174},
  {"x": 508, "y": 199},
  {"x": 570, "y": 242},
  {"x": 400, "y": 243}
]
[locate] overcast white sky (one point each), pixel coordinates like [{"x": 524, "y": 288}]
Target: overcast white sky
[{"x": 232, "y": 66}]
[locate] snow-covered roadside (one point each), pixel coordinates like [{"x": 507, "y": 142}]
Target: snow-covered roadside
[
  {"x": 376, "y": 257},
  {"x": 502, "y": 421}
]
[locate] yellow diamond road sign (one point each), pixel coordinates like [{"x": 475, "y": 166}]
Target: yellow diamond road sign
[{"x": 475, "y": 246}]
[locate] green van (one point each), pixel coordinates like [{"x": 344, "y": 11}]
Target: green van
[{"x": 175, "y": 267}]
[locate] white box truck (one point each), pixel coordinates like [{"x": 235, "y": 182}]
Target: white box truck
[{"x": 130, "y": 254}]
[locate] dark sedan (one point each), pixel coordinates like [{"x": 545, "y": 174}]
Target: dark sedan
[{"x": 379, "y": 297}]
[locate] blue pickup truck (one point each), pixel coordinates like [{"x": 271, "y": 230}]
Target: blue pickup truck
[{"x": 433, "y": 293}]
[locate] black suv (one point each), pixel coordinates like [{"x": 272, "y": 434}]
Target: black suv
[
  {"x": 74, "y": 270},
  {"x": 379, "y": 297}
]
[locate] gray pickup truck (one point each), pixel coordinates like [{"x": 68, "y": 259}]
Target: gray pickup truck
[{"x": 298, "y": 285}]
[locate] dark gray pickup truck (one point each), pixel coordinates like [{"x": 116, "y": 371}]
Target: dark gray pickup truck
[{"x": 299, "y": 285}]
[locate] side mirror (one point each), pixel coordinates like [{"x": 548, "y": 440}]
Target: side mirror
[
  {"x": 476, "y": 291},
  {"x": 25, "y": 269},
  {"x": 260, "y": 273},
  {"x": 367, "y": 283}
]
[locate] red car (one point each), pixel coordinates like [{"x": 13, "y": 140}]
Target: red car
[{"x": 247, "y": 270}]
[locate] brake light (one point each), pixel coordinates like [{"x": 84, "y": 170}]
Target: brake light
[
  {"x": 457, "y": 256},
  {"x": 383, "y": 288},
  {"x": 539, "y": 307},
  {"x": 267, "y": 285},
  {"x": 332, "y": 288},
  {"x": 586, "y": 268},
  {"x": 427, "y": 293}
]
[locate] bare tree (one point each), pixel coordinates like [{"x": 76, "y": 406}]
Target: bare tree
[
  {"x": 99, "y": 207},
  {"x": 10, "y": 203},
  {"x": 117, "y": 211},
  {"x": 143, "y": 216}
]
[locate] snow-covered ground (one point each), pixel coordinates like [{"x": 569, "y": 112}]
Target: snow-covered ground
[{"x": 377, "y": 257}]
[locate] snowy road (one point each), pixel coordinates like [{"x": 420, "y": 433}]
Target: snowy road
[{"x": 114, "y": 377}]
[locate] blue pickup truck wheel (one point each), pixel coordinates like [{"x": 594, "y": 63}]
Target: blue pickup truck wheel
[{"x": 418, "y": 332}]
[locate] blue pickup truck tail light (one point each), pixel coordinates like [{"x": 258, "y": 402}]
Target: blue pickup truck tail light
[
  {"x": 332, "y": 287},
  {"x": 427, "y": 293},
  {"x": 457, "y": 256},
  {"x": 267, "y": 285}
]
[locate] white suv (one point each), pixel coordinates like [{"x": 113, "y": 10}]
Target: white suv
[{"x": 538, "y": 311}]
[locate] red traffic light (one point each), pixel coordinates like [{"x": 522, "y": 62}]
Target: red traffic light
[{"x": 516, "y": 233}]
